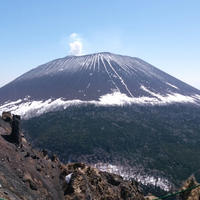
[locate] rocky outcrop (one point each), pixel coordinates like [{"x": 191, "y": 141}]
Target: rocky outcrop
[
  {"x": 27, "y": 173},
  {"x": 84, "y": 182},
  {"x": 192, "y": 191},
  {"x": 15, "y": 134}
]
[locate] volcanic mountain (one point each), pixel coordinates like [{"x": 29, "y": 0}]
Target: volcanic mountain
[
  {"x": 120, "y": 114},
  {"x": 103, "y": 78}
]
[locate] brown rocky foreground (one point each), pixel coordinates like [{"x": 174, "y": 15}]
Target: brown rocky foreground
[{"x": 29, "y": 174}]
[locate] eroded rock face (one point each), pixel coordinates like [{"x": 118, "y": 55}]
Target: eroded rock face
[{"x": 26, "y": 173}]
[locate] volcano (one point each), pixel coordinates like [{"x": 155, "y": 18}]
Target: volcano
[
  {"x": 103, "y": 78},
  {"x": 91, "y": 76},
  {"x": 133, "y": 119}
]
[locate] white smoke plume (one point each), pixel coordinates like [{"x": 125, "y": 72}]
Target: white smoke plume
[{"x": 76, "y": 45}]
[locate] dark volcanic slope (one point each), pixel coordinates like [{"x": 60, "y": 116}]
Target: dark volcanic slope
[{"x": 90, "y": 76}]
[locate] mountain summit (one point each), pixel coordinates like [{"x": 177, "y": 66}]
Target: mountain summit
[
  {"x": 90, "y": 76},
  {"x": 101, "y": 78}
]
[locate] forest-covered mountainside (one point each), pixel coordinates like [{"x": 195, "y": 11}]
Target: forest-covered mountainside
[{"x": 156, "y": 141}]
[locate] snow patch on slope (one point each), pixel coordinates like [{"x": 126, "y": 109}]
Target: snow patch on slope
[
  {"x": 29, "y": 108},
  {"x": 130, "y": 173},
  {"x": 172, "y": 85}
]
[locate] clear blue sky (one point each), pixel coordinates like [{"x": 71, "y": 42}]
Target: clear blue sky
[{"x": 165, "y": 33}]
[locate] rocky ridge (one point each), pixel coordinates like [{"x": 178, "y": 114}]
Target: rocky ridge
[{"x": 27, "y": 173}]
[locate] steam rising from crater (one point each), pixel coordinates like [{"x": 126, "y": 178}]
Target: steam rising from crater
[{"x": 76, "y": 45}]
